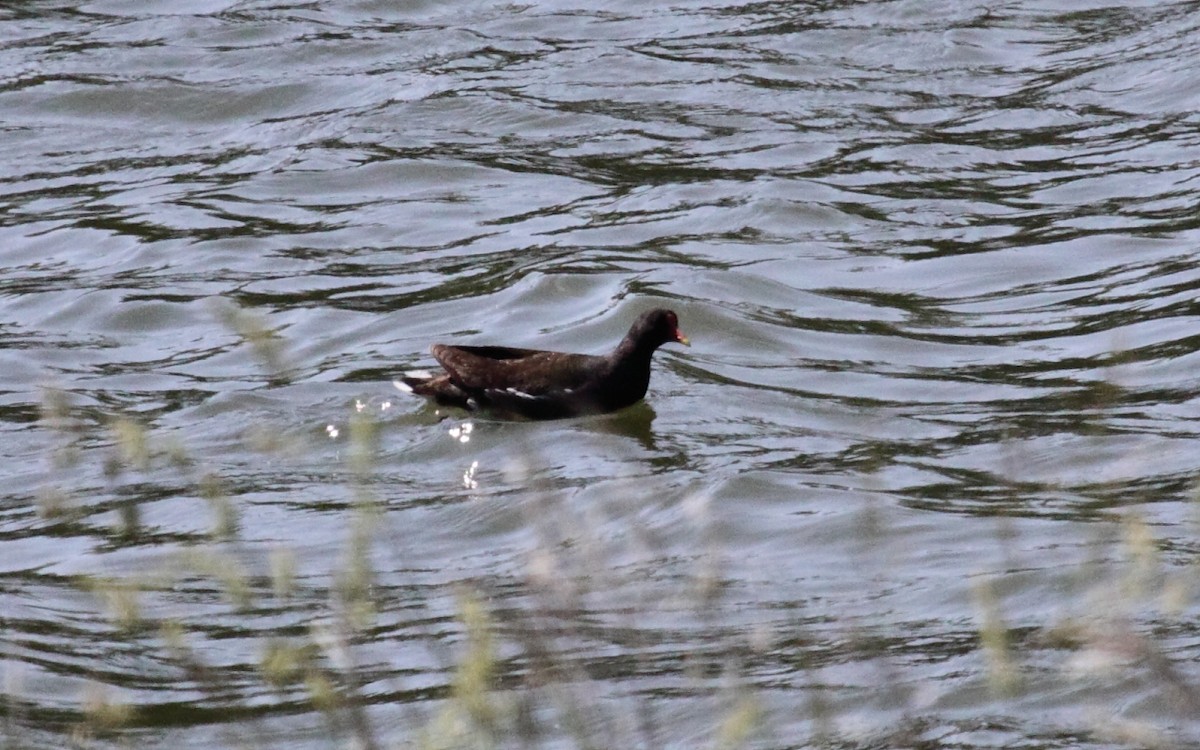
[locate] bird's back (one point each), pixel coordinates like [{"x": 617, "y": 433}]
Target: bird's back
[{"x": 530, "y": 371}]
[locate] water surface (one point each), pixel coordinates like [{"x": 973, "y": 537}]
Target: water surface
[{"x": 925, "y": 476}]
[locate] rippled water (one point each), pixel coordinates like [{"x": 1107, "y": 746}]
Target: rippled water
[{"x": 924, "y": 478}]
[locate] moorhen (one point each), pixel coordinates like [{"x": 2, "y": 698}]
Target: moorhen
[{"x": 547, "y": 385}]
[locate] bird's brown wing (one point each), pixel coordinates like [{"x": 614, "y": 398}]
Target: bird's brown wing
[{"x": 521, "y": 372}]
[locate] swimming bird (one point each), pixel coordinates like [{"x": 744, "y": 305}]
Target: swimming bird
[{"x": 537, "y": 384}]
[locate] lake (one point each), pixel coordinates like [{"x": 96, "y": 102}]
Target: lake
[{"x": 926, "y": 477}]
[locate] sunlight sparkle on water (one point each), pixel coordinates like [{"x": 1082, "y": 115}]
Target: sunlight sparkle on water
[
  {"x": 462, "y": 433},
  {"x": 469, "y": 476}
]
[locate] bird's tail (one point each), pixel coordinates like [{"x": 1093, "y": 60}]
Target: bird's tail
[
  {"x": 415, "y": 381},
  {"x": 437, "y": 387}
]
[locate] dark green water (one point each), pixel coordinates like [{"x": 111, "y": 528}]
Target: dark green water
[{"x": 925, "y": 477}]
